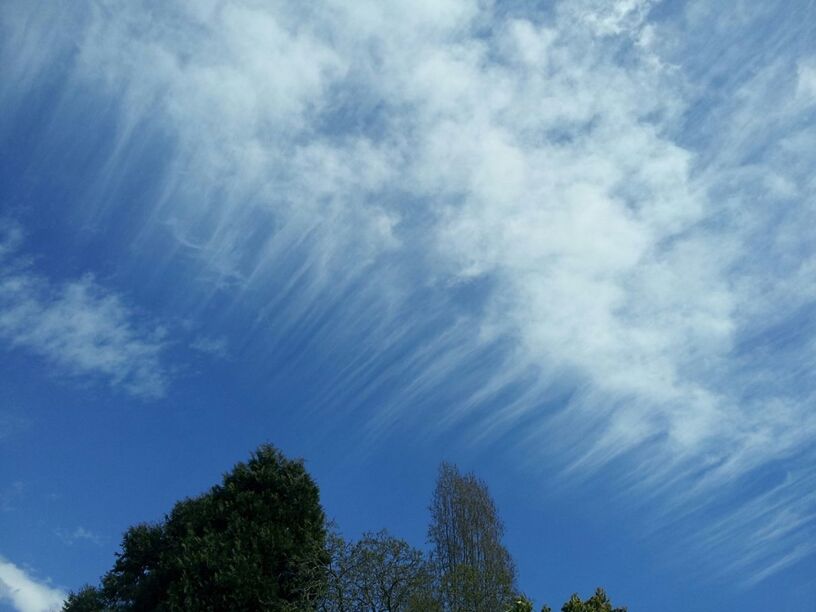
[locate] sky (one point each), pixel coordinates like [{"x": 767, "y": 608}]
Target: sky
[{"x": 566, "y": 245}]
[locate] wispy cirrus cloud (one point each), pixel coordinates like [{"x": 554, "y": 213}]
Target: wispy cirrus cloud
[
  {"x": 69, "y": 537},
  {"x": 76, "y": 325},
  {"x": 609, "y": 200},
  {"x": 216, "y": 347}
]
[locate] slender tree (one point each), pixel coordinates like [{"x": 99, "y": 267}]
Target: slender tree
[{"x": 474, "y": 571}]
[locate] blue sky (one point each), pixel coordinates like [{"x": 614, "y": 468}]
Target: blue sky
[{"x": 568, "y": 246}]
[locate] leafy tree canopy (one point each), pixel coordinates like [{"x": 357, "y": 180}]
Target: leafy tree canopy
[
  {"x": 258, "y": 541},
  {"x": 378, "y": 572},
  {"x": 254, "y": 542},
  {"x": 599, "y": 602}
]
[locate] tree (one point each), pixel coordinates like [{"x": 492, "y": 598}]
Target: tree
[
  {"x": 379, "y": 573},
  {"x": 474, "y": 571},
  {"x": 86, "y": 599},
  {"x": 254, "y": 542},
  {"x": 339, "y": 593},
  {"x": 599, "y": 602}
]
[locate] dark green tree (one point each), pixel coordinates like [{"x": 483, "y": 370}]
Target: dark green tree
[
  {"x": 86, "y": 599},
  {"x": 474, "y": 571},
  {"x": 254, "y": 542}
]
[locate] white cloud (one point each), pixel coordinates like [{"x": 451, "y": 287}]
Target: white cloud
[
  {"x": 77, "y": 325},
  {"x": 611, "y": 18},
  {"x": 79, "y": 534},
  {"x": 214, "y": 347},
  {"x": 806, "y": 81},
  {"x": 578, "y": 162},
  {"x": 25, "y": 593}
]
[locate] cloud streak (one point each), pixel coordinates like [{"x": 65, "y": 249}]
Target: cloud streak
[{"x": 25, "y": 593}]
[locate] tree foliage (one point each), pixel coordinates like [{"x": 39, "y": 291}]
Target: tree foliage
[
  {"x": 86, "y": 599},
  {"x": 254, "y": 542},
  {"x": 599, "y": 602},
  {"x": 377, "y": 573},
  {"x": 473, "y": 569},
  {"x": 258, "y": 541},
  {"x": 520, "y": 603}
]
